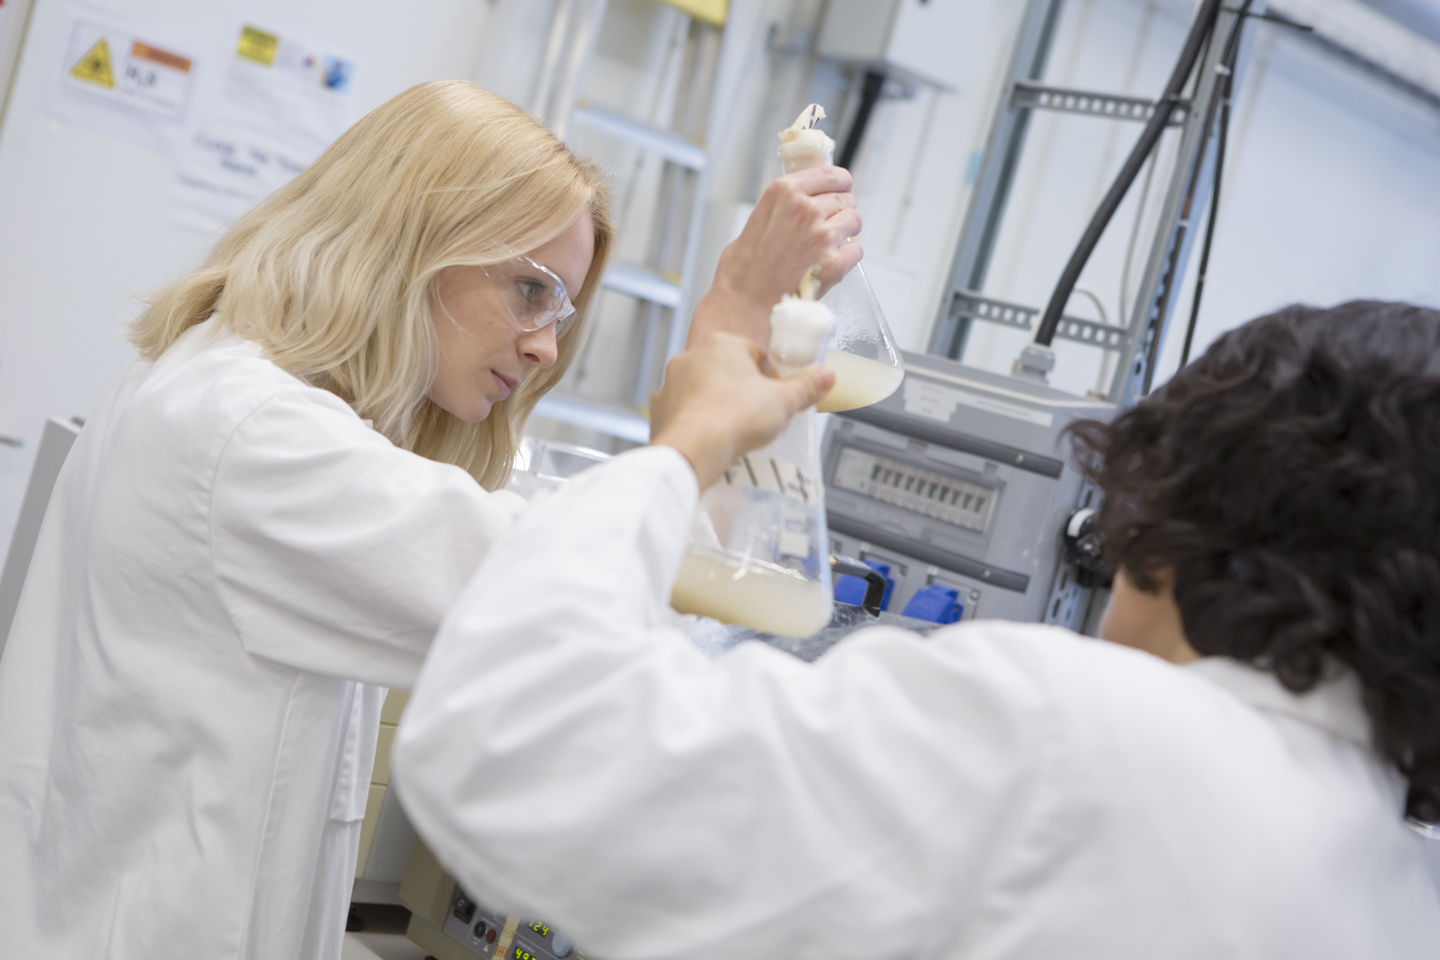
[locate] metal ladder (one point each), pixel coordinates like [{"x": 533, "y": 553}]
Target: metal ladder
[
  {"x": 1023, "y": 94},
  {"x": 706, "y": 56}
]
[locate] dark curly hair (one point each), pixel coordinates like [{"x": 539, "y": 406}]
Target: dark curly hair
[{"x": 1290, "y": 478}]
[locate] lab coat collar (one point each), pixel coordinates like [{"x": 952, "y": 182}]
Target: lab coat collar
[
  {"x": 1334, "y": 705},
  {"x": 211, "y": 333}
]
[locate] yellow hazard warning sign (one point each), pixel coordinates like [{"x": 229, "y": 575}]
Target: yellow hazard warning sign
[
  {"x": 94, "y": 67},
  {"x": 257, "y": 45}
]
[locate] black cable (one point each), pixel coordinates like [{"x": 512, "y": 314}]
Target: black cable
[
  {"x": 1224, "y": 87},
  {"x": 1200, "y": 30},
  {"x": 1220, "y": 142},
  {"x": 1282, "y": 20},
  {"x": 1196, "y": 80},
  {"x": 869, "y": 95},
  {"x": 1223, "y": 137},
  {"x": 1228, "y": 56}
]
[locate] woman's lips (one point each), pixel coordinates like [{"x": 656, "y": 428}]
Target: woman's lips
[{"x": 503, "y": 383}]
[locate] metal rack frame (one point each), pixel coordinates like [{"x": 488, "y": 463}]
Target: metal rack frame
[{"x": 1023, "y": 94}]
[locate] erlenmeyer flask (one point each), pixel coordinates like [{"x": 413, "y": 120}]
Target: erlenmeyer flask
[
  {"x": 759, "y": 548},
  {"x": 862, "y": 351}
]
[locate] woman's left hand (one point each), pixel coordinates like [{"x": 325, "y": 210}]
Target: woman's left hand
[{"x": 802, "y": 220}]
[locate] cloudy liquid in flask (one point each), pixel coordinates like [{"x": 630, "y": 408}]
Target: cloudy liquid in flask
[
  {"x": 862, "y": 352},
  {"x": 758, "y": 555},
  {"x": 859, "y": 382},
  {"x": 760, "y": 596}
]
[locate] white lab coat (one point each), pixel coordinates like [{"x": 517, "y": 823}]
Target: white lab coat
[
  {"x": 232, "y": 568},
  {"x": 997, "y": 791}
]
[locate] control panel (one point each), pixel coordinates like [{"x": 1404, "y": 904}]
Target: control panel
[
  {"x": 501, "y": 937},
  {"x": 944, "y": 496},
  {"x": 959, "y": 489}
]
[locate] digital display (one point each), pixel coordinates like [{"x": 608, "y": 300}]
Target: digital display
[
  {"x": 964, "y": 504},
  {"x": 540, "y": 928},
  {"x": 520, "y": 953}
]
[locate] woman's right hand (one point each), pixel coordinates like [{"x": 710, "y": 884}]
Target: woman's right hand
[
  {"x": 802, "y": 220},
  {"x": 716, "y": 403}
]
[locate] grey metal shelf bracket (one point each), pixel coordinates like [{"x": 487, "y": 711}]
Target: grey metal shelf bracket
[
  {"x": 968, "y": 305},
  {"x": 1107, "y": 106}
]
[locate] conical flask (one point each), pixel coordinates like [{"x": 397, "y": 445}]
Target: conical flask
[
  {"x": 862, "y": 351},
  {"x": 759, "y": 548}
]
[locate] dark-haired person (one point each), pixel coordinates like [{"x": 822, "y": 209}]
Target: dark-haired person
[{"x": 1229, "y": 778}]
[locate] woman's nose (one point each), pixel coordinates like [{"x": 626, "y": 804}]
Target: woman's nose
[{"x": 539, "y": 347}]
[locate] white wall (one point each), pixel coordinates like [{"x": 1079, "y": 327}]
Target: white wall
[
  {"x": 1335, "y": 195},
  {"x": 83, "y": 230},
  {"x": 1330, "y": 187},
  {"x": 911, "y": 176}
]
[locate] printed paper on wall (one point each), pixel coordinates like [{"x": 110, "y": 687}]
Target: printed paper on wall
[
  {"x": 126, "y": 76},
  {"x": 282, "y": 95}
]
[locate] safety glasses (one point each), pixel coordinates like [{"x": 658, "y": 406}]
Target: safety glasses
[{"x": 532, "y": 294}]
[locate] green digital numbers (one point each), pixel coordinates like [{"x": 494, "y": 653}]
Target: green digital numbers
[{"x": 540, "y": 928}]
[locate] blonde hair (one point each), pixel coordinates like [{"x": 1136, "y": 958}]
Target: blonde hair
[{"x": 334, "y": 273}]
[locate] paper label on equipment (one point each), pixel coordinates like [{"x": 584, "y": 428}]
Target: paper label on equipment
[{"x": 935, "y": 402}]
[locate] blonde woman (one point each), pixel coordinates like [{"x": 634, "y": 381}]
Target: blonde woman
[{"x": 263, "y": 525}]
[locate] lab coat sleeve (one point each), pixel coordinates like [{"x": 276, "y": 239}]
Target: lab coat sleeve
[
  {"x": 568, "y": 753},
  {"x": 336, "y": 552}
]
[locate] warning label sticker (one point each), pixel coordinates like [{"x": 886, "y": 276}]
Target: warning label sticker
[
  {"x": 129, "y": 72},
  {"x": 257, "y": 45},
  {"x": 94, "y": 67}
]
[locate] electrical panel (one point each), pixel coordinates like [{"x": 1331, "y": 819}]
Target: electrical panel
[{"x": 961, "y": 481}]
